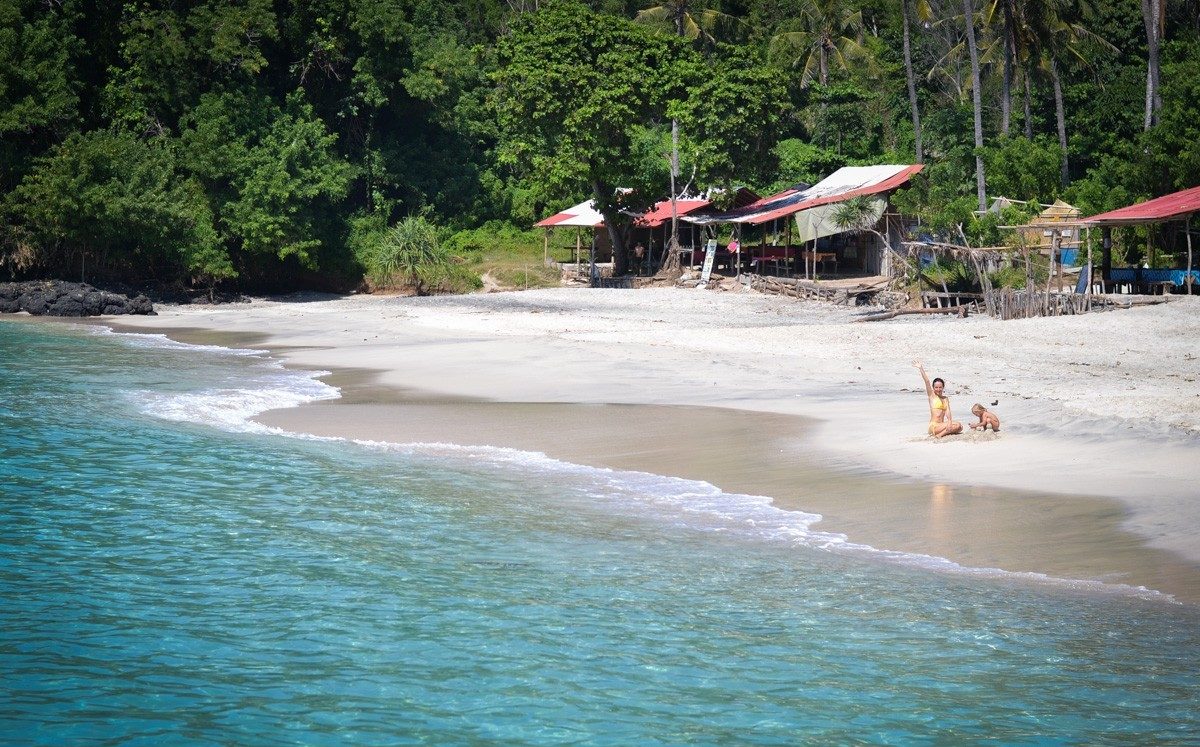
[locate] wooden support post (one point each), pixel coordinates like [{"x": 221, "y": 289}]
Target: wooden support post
[
  {"x": 736, "y": 235},
  {"x": 1106, "y": 256},
  {"x": 1187, "y": 228},
  {"x": 763, "y": 244},
  {"x": 578, "y": 245},
  {"x": 1087, "y": 294},
  {"x": 546, "y": 248},
  {"x": 788, "y": 244},
  {"x": 1056, "y": 240}
]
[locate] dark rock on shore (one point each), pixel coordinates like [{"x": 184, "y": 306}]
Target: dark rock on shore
[{"x": 60, "y": 298}]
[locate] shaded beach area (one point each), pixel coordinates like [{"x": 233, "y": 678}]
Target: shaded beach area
[{"x": 1092, "y": 479}]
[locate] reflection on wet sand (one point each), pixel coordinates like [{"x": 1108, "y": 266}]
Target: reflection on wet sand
[{"x": 941, "y": 506}]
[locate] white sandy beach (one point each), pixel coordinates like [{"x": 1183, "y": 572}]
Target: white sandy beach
[{"x": 1094, "y": 474}]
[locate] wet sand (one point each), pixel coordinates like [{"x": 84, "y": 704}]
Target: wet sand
[
  {"x": 1073, "y": 537},
  {"x": 1094, "y": 477}
]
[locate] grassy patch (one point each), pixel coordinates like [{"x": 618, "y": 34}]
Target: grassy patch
[{"x": 511, "y": 257}]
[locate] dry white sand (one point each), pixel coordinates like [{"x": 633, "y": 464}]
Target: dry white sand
[{"x": 1101, "y": 405}]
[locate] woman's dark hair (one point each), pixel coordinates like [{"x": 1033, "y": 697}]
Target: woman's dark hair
[{"x": 941, "y": 380}]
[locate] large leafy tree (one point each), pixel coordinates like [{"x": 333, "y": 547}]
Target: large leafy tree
[
  {"x": 113, "y": 204},
  {"x": 39, "y": 96},
  {"x": 702, "y": 26},
  {"x": 733, "y": 117},
  {"x": 574, "y": 87},
  {"x": 268, "y": 171}
]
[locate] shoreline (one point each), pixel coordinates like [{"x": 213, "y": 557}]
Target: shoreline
[
  {"x": 1011, "y": 519},
  {"x": 973, "y": 527}
]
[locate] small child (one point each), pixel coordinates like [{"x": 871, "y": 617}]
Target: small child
[{"x": 986, "y": 419}]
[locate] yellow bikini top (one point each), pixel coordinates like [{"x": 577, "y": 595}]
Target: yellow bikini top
[{"x": 939, "y": 404}]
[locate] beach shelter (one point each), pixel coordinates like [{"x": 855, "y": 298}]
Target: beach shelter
[
  {"x": 659, "y": 216},
  {"x": 1176, "y": 207},
  {"x": 583, "y": 215},
  {"x": 812, "y": 208}
]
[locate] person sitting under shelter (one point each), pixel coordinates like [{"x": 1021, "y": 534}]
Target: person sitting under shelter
[{"x": 639, "y": 258}]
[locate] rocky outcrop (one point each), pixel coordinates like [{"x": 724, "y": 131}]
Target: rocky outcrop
[{"x": 59, "y": 298}]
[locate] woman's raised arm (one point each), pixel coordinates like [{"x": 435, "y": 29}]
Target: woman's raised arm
[{"x": 925, "y": 378}]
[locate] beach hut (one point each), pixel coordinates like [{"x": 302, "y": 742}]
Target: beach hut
[
  {"x": 808, "y": 216},
  {"x": 581, "y": 216},
  {"x": 651, "y": 228},
  {"x": 1054, "y": 232},
  {"x": 1178, "y": 209}
]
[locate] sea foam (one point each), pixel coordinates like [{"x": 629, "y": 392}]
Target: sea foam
[
  {"x": 689, "y": 504},
  {"x": 225, "y": 398},
  {"x": 700, "y": 506}
]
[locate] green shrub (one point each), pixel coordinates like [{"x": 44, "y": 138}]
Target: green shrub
[
  {"x": 1008, "y": 277},
  {"x": 1014, "y": 275},
  {"x": 408, "y": 253},
  {"x": 955, "y": 275}
]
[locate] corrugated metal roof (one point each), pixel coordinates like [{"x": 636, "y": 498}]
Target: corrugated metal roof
[
  {"x": 844, "y": 184},
  {"x": 1175, "y": 205},
  {"x": 661, "y": 212}
]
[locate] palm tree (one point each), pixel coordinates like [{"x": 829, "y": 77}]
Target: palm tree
[
  {"x": 702, "y": 26},
  {"x": 1008, "y": 12},
  {"x": 969, "y": 18},
  {"x": 409, "y": 252},
  {"x": 1057, "y": 25},
  {"x": 1154, "y": 18},
  {"x": 830, "y": 34},
  {"x": 924, "y": 14},
  {"x": 860, "y": 215}
]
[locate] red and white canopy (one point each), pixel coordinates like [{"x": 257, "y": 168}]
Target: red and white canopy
[{"x": 583, "y": 214}]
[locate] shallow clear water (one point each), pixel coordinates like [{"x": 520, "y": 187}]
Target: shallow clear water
[{"x": 172, "y": 575}]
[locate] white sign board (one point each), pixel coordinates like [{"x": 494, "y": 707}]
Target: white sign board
[{"x": 710, "y": 256}]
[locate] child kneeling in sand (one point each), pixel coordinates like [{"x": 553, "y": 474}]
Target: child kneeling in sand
[{"x": 986, "y": 419}]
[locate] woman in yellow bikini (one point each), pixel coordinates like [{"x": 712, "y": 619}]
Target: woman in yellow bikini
[{"x": 941, "y": 422}]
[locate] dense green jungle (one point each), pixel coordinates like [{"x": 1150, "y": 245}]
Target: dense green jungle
[{"x": 259, "y": 146}]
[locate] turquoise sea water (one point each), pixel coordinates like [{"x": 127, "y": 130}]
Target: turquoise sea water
[{"x": 170, "y": 574}]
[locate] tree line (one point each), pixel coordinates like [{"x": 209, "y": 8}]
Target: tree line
[{"x": 272, "y": 145}]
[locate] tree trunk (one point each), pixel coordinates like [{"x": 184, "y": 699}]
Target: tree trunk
[
  {"x": 1028, "y": 116},
  {"x": 1060, "y": 111},
  {"x": 1152, "y": 18},
  {"x": 603, "y": 195},
  {"x": 980, "y": 189},
  {"x": 1009, "y": 54},
  {"x": 671, "y": 260},
  {"x": 912, "y": 87}
]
